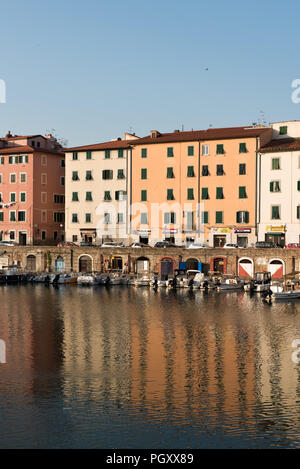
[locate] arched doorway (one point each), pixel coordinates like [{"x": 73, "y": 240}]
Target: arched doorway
[
  {"x": 192, "y": 264},
  {"x": 116, "y": 263},
  {"x": 167, "y": 266},
  {"x": 277, "y": 268},
  {"x": 31, "y": 263},
  {"x": 85, "y": 264},
  {"x": 59, "y": 264},
  {"x": 218, "y": 264},
  {"x": 246, "y": 268},
  {"x": 142, "y": 265}
]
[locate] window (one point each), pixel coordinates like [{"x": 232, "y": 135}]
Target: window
[
  {"x": 190, "y": 151},
  {"x": 58, "y": 199},
  {"x": 88, "y": 196},
  {"x": 220, "y": 170},
  {"x": 143, "y": 196},
  {"x": 120, "y": 153},
  {"x": 242, "y": 169},
  {"x": 75, "y": 218},
  {"x": 88, "y": 218},
  {"x": 120, "y": 217},
  {"x": 62, "y": 180},
  {"x": 106, "y": 218},
  {"x": 219, "y": 193},
  {"x": 170, "y": 195},
  {"x": 59, "y": 217},
  {"x": 88, "y": 176},
  {"x": 243, "y": 148},
  {"x": 44, "y": 197},
  {"x": 170, "y": 152},
  {"x": 242, "y": 217},
  {"x": 219, "y": 217},
  {"x": 120, "y": 195},
  {"x": 204, "y": 193},
  {"x": 75, "y": 197},
  {"x": 170, "y": 173},
  {"x": 144, "y": 153},
  {"x": 121, "y": 174},
  {"x": 190, "y": 194},
  {"x": 220, "y": 149},
  {"x": 205, "y": 150},
  {"x": 23, "y": 177},
  {"x": 13, "y": 178},
  {"x": 283, "y": 130},
  {"x": 55, "y": 235},
  {"x": 107, "y": 154},
  {"x": 205, "y": 171},
  {"x": 204, "y": 217},
  {"x": 144, "y": 218},
  {"x": 12, "y": 197},
  {"x": 2, "y": 160},
  {"x": 88, "y": 155},
  {"x": 44, "y": 235},
  {"x": 275, "y": 212},
  {"x": 62, "y": 163},
  {"x": 190, "y": 172},
  {"x": 275, "y": 186},
  {"x": 12, "y": 235},
  {"x": 74, "y": 238},
  {"x": 44, "y": 216},
  {"x": 43, "y": 160},
  {"x": 75, "y": 155},
  {"x": 189, "y": 221},
  {"x": 22, "y": 196},
  {"x": 0, "y": 178},
  {"x": 242, "y": 192},
  {"x": 298, "y": 212},
  {"x": 12, "y": 216},
  {"x": 144, "y": 173},
  {"x": 1, "y": 216},
  {"x": 107, "y": 174},
  {"x": 107, "y": 195},
  {"x": 275, "y": 163},
  {"x": 169, "y": 218},
  {"x": 21, "y": 215},
  {"x": 44, "y": 178},
  {"x": 10, "y": 160}
]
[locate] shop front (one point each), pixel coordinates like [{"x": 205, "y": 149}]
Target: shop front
[
  {"x": 220, "y": 236},
  {"x": 169, "y": 234},
  {"x": 88, "y": 235},
  {"x": 242, "y": 237},
  {"x": 144, "y": 236},
  {"x": 275, "y": 235}
]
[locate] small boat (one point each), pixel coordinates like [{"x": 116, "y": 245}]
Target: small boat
[
  {"x": 143, "y": 280},
  {"x": 279, "y": 292},
  {"x": 261, "y": 283},
  {"x": 67, "y": 279},
  {"x": 230, "y": 284}
]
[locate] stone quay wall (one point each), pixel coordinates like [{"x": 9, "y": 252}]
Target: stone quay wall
[{"x": 242, "y": 262}]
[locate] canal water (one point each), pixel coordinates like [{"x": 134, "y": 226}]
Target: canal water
[{"x": 134, "y": 368}]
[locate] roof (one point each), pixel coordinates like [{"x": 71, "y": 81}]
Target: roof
[
  {"x": 23, "y": 149},
  {"x": 284, "y": 144},
  {"x": 209, "y": 134},
  {"x": 21, "y": 137},
  {"x": 112, "y": 145}
]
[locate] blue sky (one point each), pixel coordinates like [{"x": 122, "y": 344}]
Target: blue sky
[{"x": 93, "y": 69}]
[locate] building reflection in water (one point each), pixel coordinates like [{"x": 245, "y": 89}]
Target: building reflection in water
[{"x": 191, "y": 359}]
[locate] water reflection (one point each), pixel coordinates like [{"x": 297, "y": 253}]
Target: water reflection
[{"x": 125, "y": 367}]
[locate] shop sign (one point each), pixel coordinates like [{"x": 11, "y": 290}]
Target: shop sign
[
  {"x": 277, "y": 229},
  {"x": 221, "y": 230},
  {"x": 243, "y": 230},
  {"x": 170, "y": 231}
]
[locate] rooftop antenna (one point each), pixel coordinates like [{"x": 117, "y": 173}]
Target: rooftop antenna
[{"x": 182, "y": 128}]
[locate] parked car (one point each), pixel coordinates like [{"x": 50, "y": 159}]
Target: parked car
[
  {"x": 165, "y": 244},
  {"x": 111, "y": 244},
  {"x": 196, "y": 246},
  {"x": 139, "y": 245},
  {"x": 66, "y": 244},
  {"x": 7, "y": 243},
  {"x": 293, "y": 246},
  {"x": 230, "y": 246},
  {"x": 86, "y": 243},
  {"x": 264, "y": 244}
]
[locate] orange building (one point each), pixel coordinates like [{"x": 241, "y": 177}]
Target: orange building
[{"x": 196, "y": 186}]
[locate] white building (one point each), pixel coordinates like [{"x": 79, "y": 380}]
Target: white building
[
  {"x": 97, "y": 185},
  {"x": 278, "y": 192}
]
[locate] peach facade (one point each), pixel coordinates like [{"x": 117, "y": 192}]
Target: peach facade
[{"x": 32, "y": 190}]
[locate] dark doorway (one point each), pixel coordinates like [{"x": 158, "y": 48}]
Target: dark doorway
[
  {"x": 277, "y": 239},
  {"x": 22, "y": 239},
  {"x": 171, "y": 239},
  {"x": 166, "y": 268},
  {"x": 219, "y": 241},
  {"x": 144, "y": 240},
  {"x": 31, "y": 264},
  {"x": 85, "y": 264},
  {"x": 117, "y": 263},
  {"x": 219, "y": 265},
  {"x": 192, "y": 264}
]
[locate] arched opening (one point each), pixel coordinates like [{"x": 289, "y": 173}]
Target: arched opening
[
  {"x": 218, "y": 264},
  {"x": 192, "y": 264},
  {"x": 85, "y": 264},
  {"x": 59, "y": 264},
  {"x": 246, "y": 268},
  {"x": 31, "y": 263},
  {"x": 277, "y": 268},
  {"x": 116, "y": 263},
  {"x": 167, "y": 266},
  {"x": 142, "y": 265}
]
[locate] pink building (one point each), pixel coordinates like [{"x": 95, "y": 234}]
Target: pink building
[{"x": 32, "y": 204}]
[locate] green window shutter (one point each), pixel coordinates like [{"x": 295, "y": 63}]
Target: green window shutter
[
  {"x": 170, "y": 173},
  {"x": 88, "y": 155},
  {"x": 120, "y": 153},
  {"x": 144, "y": 153},
  {"x": 190, "y": 151},
  {"x": 220, "y": 149},
  {"x": 26, "y": 158},
  {"x": 190, "y": 194},
  {"x": 88, "y": 218},
  {"x": 1, "y": 216},
  {"x": 144, "y": 218},
  {"x": 219, "y": 193},
  {"x": 275, "y": 163},
  {"x": 75, "y": 176},
  {"x": 205, "y": 171},
  {"x": 2, "y": 159},
  {"x": 243, "y": 148},
  {"x": 12, "y": 216},
  {"x": 219, "y": 217},
  {"x": 144, "y": 173},
  {"x": 298, "y": 211},
  {"x": 242, "y": 169},
  {"x": 298, "y": 185},
  {"x": 242, "y": 192},
  {"x": 271, "y": 186},
  {"x": 204, "y": 217},
  {"x": 117, "y": 195},
  {"x": 283, "y": 130},
  {"x": 170, "y": 195},
  {"x": 204, "y": 193},
  {"x": 75, "y": 197},
  {"x": 20, "y": 158},
  {"x": 275, "y": 213},
  {"x": 88, "y": 196},
  {"x": 246, "y": 217},
  {"x": 121, "y": 174},
  {"x": 88, "y": 175},
  {"x": 10, "y": 160},
  {"x": 107, "y": 154},
  {"x": 23, "y": 197},
  {"x": 107, "y": 195},
  {"x": 143, "y": 196},
  {"x": 166, "y": 218},
  {"x": 12, "y": 197},
  {"x": 173, "y": 217},
  {"x": 190, "y": 172},
  {"x": 75, "y": 155},
  {"x": 170, "y": 151}
]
